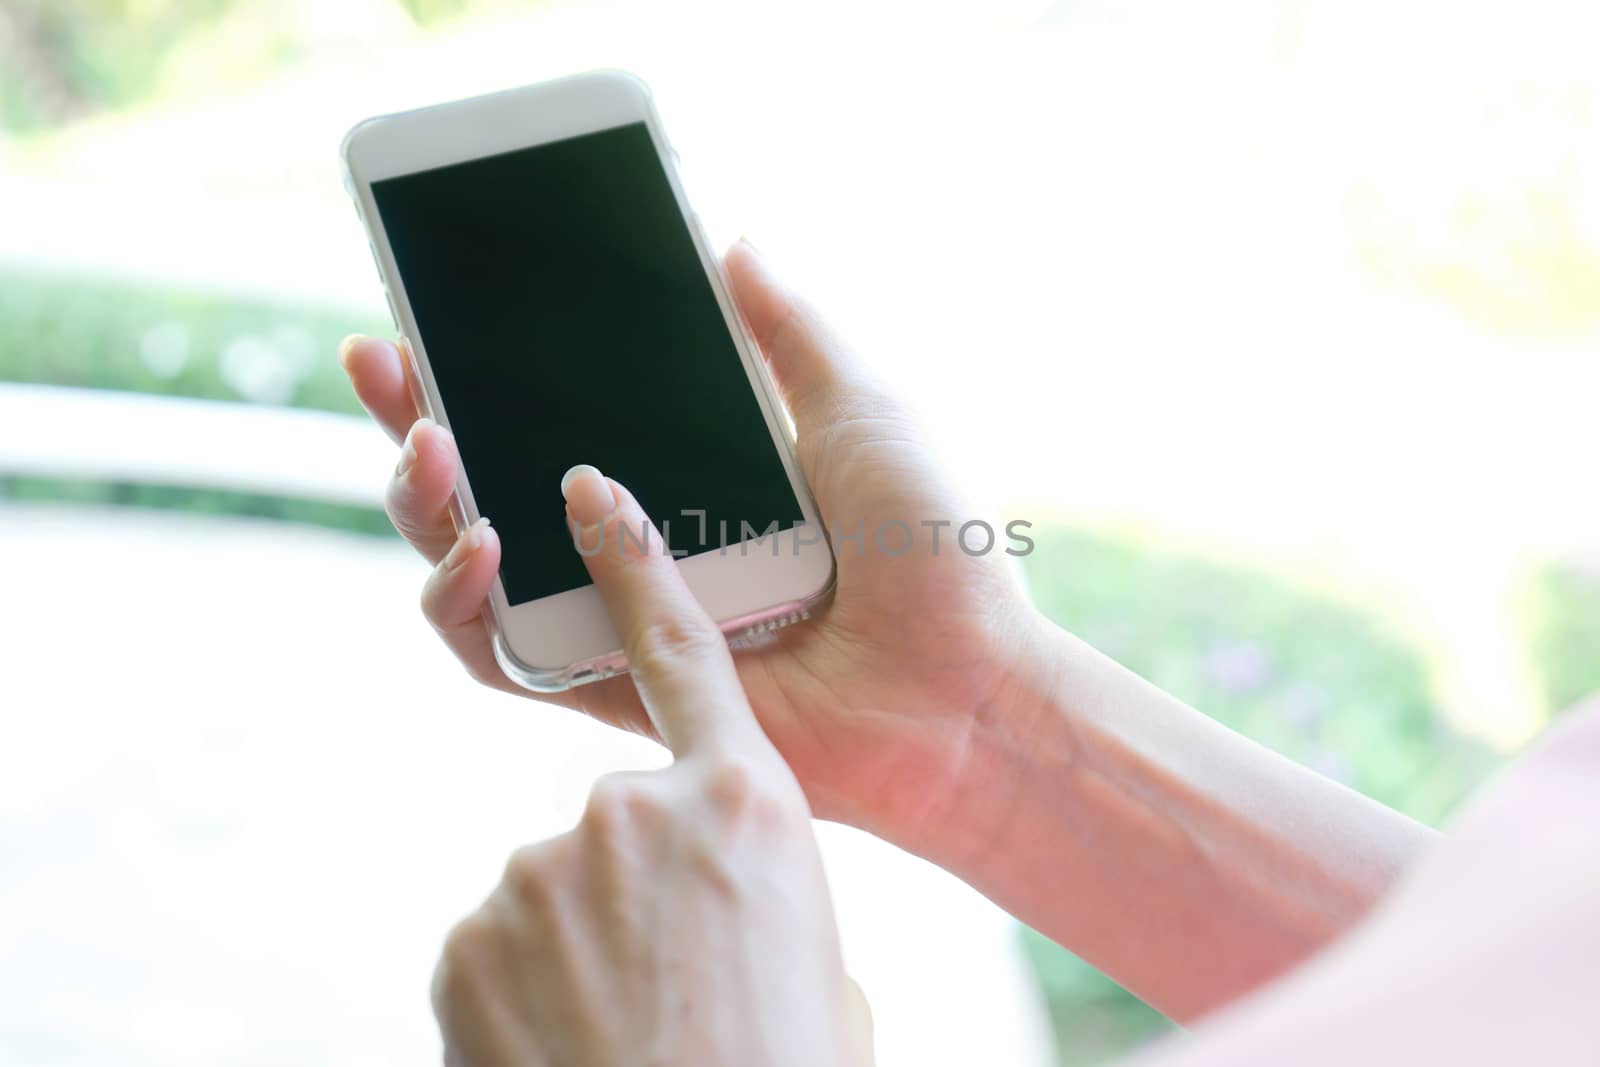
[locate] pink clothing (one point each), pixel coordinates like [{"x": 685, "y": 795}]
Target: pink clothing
[{"x": 1487, "y": 952}]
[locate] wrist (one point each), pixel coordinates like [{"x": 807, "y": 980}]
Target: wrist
[{"x": 1012, "y": 731}]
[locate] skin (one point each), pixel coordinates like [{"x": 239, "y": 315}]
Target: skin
[
  {"x": 685, "y": 920},
  {"x": 1487, "y": 953},
  {"x": 933, "y": 706}
]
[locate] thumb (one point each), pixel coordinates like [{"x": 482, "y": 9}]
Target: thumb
[
  {"x": 815, "y": 371},
  {"x": 860, "y": 1023}
]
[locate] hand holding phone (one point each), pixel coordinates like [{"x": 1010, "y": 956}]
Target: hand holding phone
[
  {"x": 872, "y": 701},
  {"x": 868, "y": 702},
  {"x": 561, "y": 306}
]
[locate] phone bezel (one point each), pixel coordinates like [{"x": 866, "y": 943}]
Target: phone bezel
[{"x": 567, "y": 639}]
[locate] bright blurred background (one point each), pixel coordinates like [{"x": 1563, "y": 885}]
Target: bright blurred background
[{"x": 1279, "y": 318}]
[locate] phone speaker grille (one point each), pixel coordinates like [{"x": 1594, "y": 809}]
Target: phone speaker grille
[{"x": 756, "y": 635}]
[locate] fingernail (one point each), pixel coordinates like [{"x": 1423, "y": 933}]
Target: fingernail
[
  {"x": 751, "y": 245},
  {"x": 408, "y": 451},
  {"x": 344, "y": 349},
  {"x": 764, "y": 266},
  {"x": 468, "y": 543},
  {"x": 588, "y": 494}
]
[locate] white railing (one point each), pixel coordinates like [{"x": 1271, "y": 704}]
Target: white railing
[{"x": 137, "y": 437}]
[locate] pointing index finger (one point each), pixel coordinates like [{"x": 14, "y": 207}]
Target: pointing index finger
[{"x": 678, "y": 657}]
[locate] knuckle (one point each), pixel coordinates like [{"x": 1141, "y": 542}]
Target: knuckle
[
  {"x": 401, "y": 513},
  {"x": 432, "y": 600},
  {"x": 669, "y": 642},
  {"x": 742, "y": 791},
  {"x": 632, "y": 540},
  {"x": 469, "y": 951},
  {"x": 428, "y": 599},
  {"x": 529, "y": 879},
  {"x": 618, "y": 802},
  {"x": 484, "y": 673},
  {"x": 396, "y": 502},
  {"x": 604, "y": 811}
]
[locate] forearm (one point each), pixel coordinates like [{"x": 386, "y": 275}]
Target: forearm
[{"x": 1184, "y": 860}]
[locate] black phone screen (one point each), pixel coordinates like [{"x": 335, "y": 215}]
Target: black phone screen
[{"x": 568, "y": 319}]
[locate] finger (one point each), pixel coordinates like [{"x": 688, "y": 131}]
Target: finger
[
  {"x": 453, "y": 600},
  {"x": 859, "y": 1014},
  {"x": 378, "y": 372},
  {"x": 419, "y": 491},
  {"x": 475, "y": 995},
  {"x": 814, "y": 370},
  {"x": 678, "y": 657}
]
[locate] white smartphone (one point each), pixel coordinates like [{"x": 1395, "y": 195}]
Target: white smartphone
[{"x": 562, "y": 306}]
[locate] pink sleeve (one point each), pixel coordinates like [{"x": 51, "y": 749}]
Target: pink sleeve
[{"x": 1487, "y": 953}]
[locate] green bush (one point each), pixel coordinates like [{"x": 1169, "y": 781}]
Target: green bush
[
  {"x": 109, "y": 334},
  {"x": 61, "y": 60},
  {"x": 65, "y": 58},
  {"x": 1564, "y": 629},
  {"x": 350, "y": 517},
  {"x": 1320, "y": 681}
]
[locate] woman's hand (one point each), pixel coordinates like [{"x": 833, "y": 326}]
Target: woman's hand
[
  {"x": 876, "y": 703},
  {"x": 685, "y": 920},
  {"x": 933, "y": 707}
]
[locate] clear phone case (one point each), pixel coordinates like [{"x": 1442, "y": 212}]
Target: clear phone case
[{"x": 745, "y": 631}]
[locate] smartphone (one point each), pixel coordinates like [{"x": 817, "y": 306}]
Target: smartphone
[{"x": 561, "y": 305}]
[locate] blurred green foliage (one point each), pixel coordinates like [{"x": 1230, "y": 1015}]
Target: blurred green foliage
[
  {"x": 63, "y": 58},
  {"x": 1095, "y": 1020},
  {"x": 1320, "y": 681},
  {"x": 1323, "y": 682},
  {"x": 1563, "y": 610},
  {"x": 101, "y": 334},
  {"x": 426, "y": 11},
  {"x": 24, "y": 489}
]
